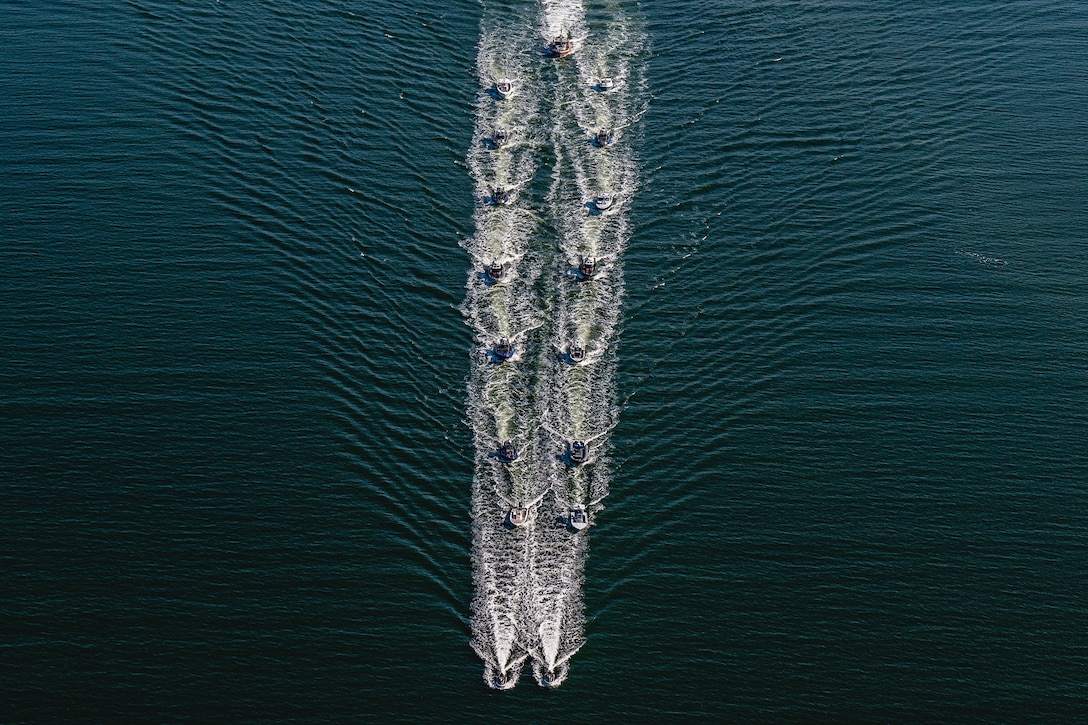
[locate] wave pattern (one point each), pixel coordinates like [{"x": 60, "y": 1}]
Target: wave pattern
[{"x": 557, "y": 248}]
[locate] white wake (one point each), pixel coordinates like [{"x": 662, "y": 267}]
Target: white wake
[{"x": 528, "y": 578}]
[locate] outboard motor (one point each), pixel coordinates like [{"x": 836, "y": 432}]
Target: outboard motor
[
  {"x": 579, "y": 452},
  {"x": 576, "y": 353},
  {"x": 496, "y": 271},
  {"x": 603, "y": 137},
  {"x": 504, "y": 350},
  {"x": 508, "y": 452},
  {"x": 587, "y": 268}
]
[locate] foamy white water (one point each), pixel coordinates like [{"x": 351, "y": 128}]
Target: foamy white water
[
  {"x": 497, "y": 408},
  {"x": 528, "y": 602}
]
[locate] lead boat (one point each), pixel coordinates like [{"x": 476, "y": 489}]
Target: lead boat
[
  {"x": 587, "y": 268},
  {"x": 603, "y": 138},
  {"x": 508, "y": 452},
  {"x": 603, "y": 201},
  {"x": 578, "y": 519},
  {"x": 504, "y": 88},
  {"x": 560, "y": 46},
  {"x": 604, "y": 85},
  {"x": 495, "y": 271},
  {"x": 504, "y": 349},
  {"x": 579, "y": 452},
  {"x": 518, "y": 516},
  {"x": 576, "y": 353}
]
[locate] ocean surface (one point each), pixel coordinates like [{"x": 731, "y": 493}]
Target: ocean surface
[{"x": 239, "y": 455}]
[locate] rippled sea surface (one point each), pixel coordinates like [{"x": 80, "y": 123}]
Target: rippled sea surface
[{"x": 848, "y": 481}]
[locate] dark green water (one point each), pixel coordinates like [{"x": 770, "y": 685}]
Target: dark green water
[{"x": 848, "y": 480}]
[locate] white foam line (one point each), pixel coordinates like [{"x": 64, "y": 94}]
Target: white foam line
[
  {"x": 494, "y": 409},
  {"x": 578, "y": 401}
]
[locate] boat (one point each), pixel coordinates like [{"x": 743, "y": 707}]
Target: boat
[
  {"x": 508, "y": 452},
  {"x": 501, "y": 196},
  {"x": 587, "y": 268},
  {"x": 603, "y": 137},
  {"x": 518, "y": 516},
  {"x": 504, "y": 349},
  {"x": 555, "y": 676},
  {"x": 603, "y": 201},
  {"x": 504, "y": 88},
  {"x": 500, "y": 138},
  {"x": 579, "y": 452},
  {"x": 499, "y": 679},
  {"x": 560, "y": 46},
  {"x": 576, "y": 353},
  {"x": 578, "y": 519},
  {"x": 604, "y": 85},
  {"x": 495, "y": 271}
]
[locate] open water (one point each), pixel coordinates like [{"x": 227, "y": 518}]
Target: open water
[{"x": 844, "y": 464}]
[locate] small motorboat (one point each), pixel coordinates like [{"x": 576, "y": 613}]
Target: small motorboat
[
  {"x": 579, "y": 452},
  {"x": 508, "y": 452},
  {"x": 501, "y": 196},
  {"x": 604, "y": 85},
  {"x": 555, "y": 676},
  {"x": 518, "y": 516},
  {"x": 560, "y": 46},
  {"x": 504, "y": 349},
  {"x": 495, "y": 271},
  {"x": 603, "y": 201},
  {"x": 504, "y": 87},
  {"x": 576, "y": 353},
  {"x": 578, "y": 519},
  {"x": 587, "y": 268},
  {"x": 603, "y": 137},
  {"x": 501, "y": 679},
  {"x": 500, "y": 138}
]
